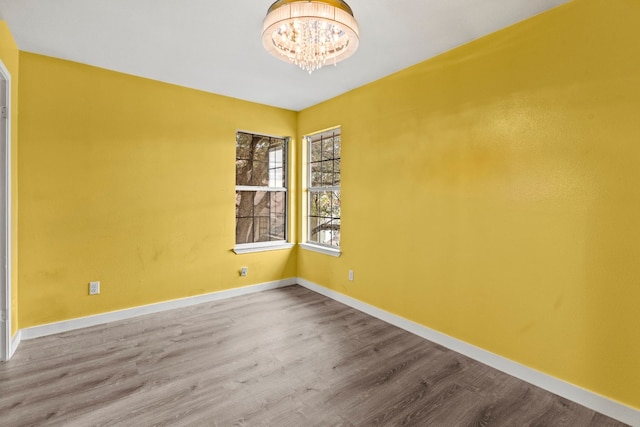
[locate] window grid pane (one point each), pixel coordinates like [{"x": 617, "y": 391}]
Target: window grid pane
[
  {"x": 324, "y": 168},
  {"x": 261, "y": 215}
]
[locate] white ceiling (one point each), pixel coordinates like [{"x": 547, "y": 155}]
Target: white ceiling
[{"x": 215, "y": 45}]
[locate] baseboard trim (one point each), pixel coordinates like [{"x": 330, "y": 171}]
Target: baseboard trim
[
  {"x": 99, "y": 319},
  {"x": 15, "y": 342},
  {"x": 554, "y": 385}
]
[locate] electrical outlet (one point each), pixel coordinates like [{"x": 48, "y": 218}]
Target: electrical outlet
[
  {"x": 244, "y": 271},
  {"x": 351, "y": 275},
  {"x": 94, "y": 288}
]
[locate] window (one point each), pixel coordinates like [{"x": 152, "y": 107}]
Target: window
[
  {"x": 261, "y": 190},
  {"x": 323, "y": 166}
]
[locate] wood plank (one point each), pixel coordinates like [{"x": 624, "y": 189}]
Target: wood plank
[{"x": 285, "y": 357}]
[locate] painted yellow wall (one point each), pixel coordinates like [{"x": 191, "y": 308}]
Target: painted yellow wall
[
  {"x": 130, "y": 182},
  {"x": 490, "y": 193},
  {"x": 493, "y": 194},
  {"x": 10, "y": 57}
]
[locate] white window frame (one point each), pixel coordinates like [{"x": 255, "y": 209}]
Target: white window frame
[
  {"x": 243, "y": 248},
  {"x": 331, "y": 250}
]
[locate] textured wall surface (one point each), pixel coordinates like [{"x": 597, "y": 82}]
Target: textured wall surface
[
  {"x": 492, "y": 194},
  {"x": 130, "y": 182}
]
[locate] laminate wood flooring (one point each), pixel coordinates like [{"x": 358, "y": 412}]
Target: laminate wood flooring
[{"x": 286, "y": 357}]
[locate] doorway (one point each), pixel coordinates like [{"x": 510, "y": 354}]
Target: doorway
[{"x": 5, "y": 214}]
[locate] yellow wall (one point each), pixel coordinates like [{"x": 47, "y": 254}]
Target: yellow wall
[
  {"x": 493, "y": 194},
  {"x": 490, "y": 193},
  {"x": 130, "y": 182},
  {"x": 10, "y": 57}
]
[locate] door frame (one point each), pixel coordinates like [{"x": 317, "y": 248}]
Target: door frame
[{"x": 6, "y": 350}]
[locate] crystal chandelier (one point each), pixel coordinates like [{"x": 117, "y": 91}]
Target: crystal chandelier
[{"x": 310, "y": 33}]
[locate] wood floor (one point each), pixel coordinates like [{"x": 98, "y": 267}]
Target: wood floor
[{"x": 287, "y": 357}]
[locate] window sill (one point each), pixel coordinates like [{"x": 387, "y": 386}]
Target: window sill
[
  {"x": 261, "y": 247},
  {"x": 321, "y": 249}
]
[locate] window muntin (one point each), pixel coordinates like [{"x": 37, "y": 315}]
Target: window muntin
[
  {"x": 324, "y": 167},
  {"x": 261, "y": 193}
]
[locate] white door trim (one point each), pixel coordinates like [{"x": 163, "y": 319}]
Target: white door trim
[{"x": 6, "y": 347}]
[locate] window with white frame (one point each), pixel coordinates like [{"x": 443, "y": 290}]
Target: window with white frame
[
  {"x": 323, "y": 194},
  {"x": 261, "y": 189}
]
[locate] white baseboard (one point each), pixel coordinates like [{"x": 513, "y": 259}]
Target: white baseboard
[
  {"x": 15, "y": 342},
  {"x": 574, "y": 393},
  {"x": 99, "y": 319}
]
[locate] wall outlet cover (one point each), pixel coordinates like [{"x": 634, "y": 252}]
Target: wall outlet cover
[{"x": 94, "y": 288}]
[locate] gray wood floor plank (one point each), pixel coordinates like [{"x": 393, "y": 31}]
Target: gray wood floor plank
[{"x": 286, "y": 357}]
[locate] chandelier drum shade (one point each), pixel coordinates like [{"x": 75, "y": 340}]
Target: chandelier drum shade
[{"x": 310, "y": 33}]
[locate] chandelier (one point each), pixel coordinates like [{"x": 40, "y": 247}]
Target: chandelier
[{"x": 310, "y": 33}]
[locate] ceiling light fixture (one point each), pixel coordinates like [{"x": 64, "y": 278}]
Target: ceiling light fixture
[{"x": 309, "y": 33}]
